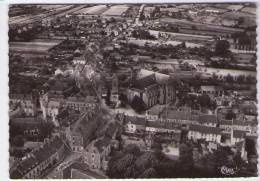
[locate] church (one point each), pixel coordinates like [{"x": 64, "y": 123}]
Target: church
[{"x": 152, "y": 88}]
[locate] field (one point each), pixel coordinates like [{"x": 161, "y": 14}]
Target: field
[
  {"x": 40, "y": 46},
  {"x": 200, "y": 26},
  {"x": 117, "y": 10},
  {"x": 154, "y": 42},
  {"x": 94, "y": 10}
]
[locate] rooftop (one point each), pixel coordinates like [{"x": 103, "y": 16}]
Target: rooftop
[
  {"x": 176, "y": 114},
  {"x": 205, "y": 129},
  {"x": 159, "y": 77},
  {"x": 163, "y": 125},
  {"x": 37, "y": 157},
  {"x": 239, "y": 134},
  {"x": 145, "y": 82},
  {"x": 207, "y": 118}
]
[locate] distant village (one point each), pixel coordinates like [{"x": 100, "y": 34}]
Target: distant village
[{"x": 132, "y": 91}]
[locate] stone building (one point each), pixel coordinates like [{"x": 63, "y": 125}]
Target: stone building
[
  {"x": 39, "y": 160},
  {"x": 153, "y": 88}
]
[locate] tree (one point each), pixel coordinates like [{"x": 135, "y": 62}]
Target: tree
[
  {"x": 138, "y": 104},
  {"x": 221, "y": 158},
  {"x": 214, "y": 77},
  {"x": 186, "y": 157},
  {"x": 18, "y": 141},
  {"x": 183, "y": 45},
  {"x": 222, "y": 48},
  {"x": 108, "y": 96},
  {"x": 229, "y": 78},
  {"x": 149, "y": 173},
  {"x": 132, "y": 149},
  {"x": 250, "y": 79},
  {"x": 230, "y": 115},
  {"x": 146, "y": 161},
  {"x": 120, "y": 167},
  {"x": 193, "y": 27},
  {"x": 240, "y": 20},
  {"x": 46, "y": 129},
  {"x": 241, "y": 79},
  {"x": 204, "y": 100}
]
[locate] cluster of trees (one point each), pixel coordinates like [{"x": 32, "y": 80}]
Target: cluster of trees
[
  {"x": 242, "y": 38},
  {"x": 173, "y": 29},
  {"x": 230, "y": 115},
  {"x": 241, "y": 79},
  {"x": 197, "y": 102},
  {"x": 17, "y": 137},
  {"x": 222, "y": 48},
  {"x": 223, "y": 157},
  {"x": 24, "y": 34},
  {"x": 132, "y": 163},
  {"x": 143, "y": 34}
]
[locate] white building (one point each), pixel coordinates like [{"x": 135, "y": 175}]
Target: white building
[{"x": 204, "y": 132}]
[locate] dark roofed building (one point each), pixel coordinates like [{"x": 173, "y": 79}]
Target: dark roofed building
[
  {"x": 32, "y": 167},
  {"x": 96, "y": 153},
  {"x": 161, "y": 127},
  {"x": 208, "y": 120},
  {"x": 239, "y": 134},
  {"x": 145, "y": 82},
  {"x": 152, "y": 87}
]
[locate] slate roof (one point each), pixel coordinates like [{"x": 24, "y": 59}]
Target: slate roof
[
  {"x": 24, "y": 167},
  {"x": 37, "y": 157},
  {"x": 135, "y": 120},
  {"x": 239, "y": 134},
  {"x": 207, "y": 118},
  {"x": 155, "y": 110},
  {"x": 163, "y": 125},
  {"x": 226, "y": 122},
  {"x": 210, "y": 88},
  {"x": 48, "y": 149},
  {"x": 205, "y": 129},
  {"x": 145, "y": 82},
  {"x": 178, "y": 115},
  {"x": 176, "y": 136},
  {"x": 159, "y": 77}
]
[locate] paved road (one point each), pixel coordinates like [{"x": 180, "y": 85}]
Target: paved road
[{"x": 139, "y": 14}]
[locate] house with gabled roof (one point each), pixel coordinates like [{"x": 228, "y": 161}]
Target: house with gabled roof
[
  {"x": 39, "y": 160},
  {"x": 208, "y": 120},
  {"x": 96, "y": 154}
]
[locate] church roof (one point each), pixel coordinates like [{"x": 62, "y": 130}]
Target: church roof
[{"x": 145, "y": 82}]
